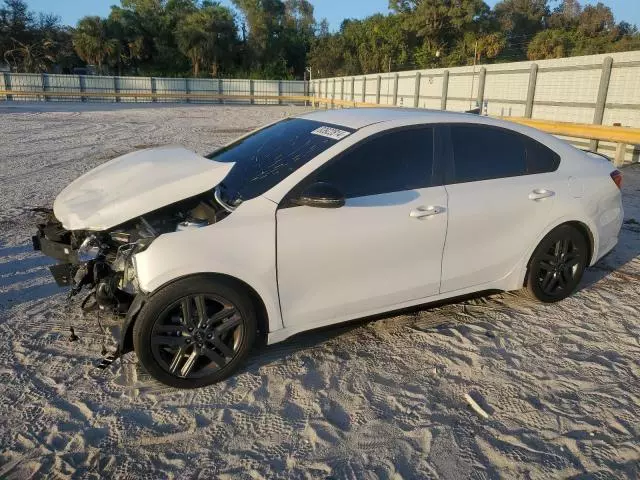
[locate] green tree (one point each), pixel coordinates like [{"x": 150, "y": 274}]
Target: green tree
[
  {"x": 33, "y": 43},
  {"x": 521, "y": 20},
  {"x": 441, "y": 21},
  {"x": 92, "y": 42},
  {"x": 35, "y": 57},
  {"x": 206, "y": 37},
  {"x": 566, "y": 15},
  {"x": 550, "y": 44},
  {"x": 596, "y": 20},
  {"x": 279, "y": 36}
]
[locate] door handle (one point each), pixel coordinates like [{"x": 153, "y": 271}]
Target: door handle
[
  {"x": 422, "y": 212},
  {"x": 541, "y": 193}
]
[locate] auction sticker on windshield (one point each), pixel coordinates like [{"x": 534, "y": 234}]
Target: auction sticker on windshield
[{"x": 329, "y": 132}]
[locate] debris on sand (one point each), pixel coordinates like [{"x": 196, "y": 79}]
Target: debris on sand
[{"x": 476, "y": 408}]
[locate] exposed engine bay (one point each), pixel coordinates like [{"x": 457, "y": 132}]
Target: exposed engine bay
[{"x": 103, "y": 261}]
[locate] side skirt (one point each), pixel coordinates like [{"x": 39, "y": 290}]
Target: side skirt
[{"x": 499, "y": 286}]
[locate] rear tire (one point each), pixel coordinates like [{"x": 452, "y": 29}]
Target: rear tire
[
  {"x": 557, "y": 265},
  {"x": 195, "y": 332}
]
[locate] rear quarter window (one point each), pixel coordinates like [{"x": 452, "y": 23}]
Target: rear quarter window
[
  {"x": 484, "y": 152},
  {"x": 540, "y": 159}
]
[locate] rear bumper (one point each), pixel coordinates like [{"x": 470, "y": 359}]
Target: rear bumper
[{"x": 609, "y": 225}]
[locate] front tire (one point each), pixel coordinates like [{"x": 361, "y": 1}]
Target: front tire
[
  {"x": 195, "y": 332},
  {"x": 557, "y": 265}
]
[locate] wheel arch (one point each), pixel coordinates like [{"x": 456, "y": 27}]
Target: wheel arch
[
  {"x": 578, "y": 225},
  {"x": 585, "y": 231},
  {"x": 262, "y": 317}
]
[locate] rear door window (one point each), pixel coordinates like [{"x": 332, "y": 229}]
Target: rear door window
[{"x": 484, "y": 153}]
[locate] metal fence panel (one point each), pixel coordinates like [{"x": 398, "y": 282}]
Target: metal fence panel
[{"x": 25, "y": 82}]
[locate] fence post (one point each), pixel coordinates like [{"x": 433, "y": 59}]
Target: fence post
[
  {"x": 445, "y": 90},
  {"x": 187, "y": 88},
  {"x": 43, "y": 79},
  {"x": 333, "y": 91},
  {"x": 416, "y": 91},
  {"x": 364, "y": 89},
  {"x": 353, "y": 89},
  {"x": 153, "y": 90},
  {"x": 396, "y": 79},
  {"x": 251, "y": 91},
  {"x": 306, "y": 90},
  {"x": 531, "y": 92},
  {"x": 316, "y": 93},
  {"x": 621, "y": 150},
  {"x": 378, "y": 85},
  {"x": 220, "y": 90},
  {"x": 83, "y": 87},
  {"x": 342, "y": 88},
  {"x": 279, "y": 92},
  {"x": 601, "y": 102},
  {"x": 7, "y": 85},
  {"x": 481, "y": 83},
  {"x": 115, "y": 88}
]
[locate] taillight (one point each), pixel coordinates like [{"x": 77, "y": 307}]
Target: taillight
[{"x": 616, "y": 176}]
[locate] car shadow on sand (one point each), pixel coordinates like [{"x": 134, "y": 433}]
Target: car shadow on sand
[
  {"x": 24, "y": 276},
  {"x": 137, "y": 381}
]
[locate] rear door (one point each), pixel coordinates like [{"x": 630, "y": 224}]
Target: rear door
[
  {"x": 502, "y": 187},
  {"x": 381, "y": 249}
]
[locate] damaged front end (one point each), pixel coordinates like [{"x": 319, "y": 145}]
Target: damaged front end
[{"x": 102, "y": 263}]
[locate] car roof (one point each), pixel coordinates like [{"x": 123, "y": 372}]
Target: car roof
[{"x": 357, "y": 118}]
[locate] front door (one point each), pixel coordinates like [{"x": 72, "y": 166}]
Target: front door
[{"x": 381, "y": 249}]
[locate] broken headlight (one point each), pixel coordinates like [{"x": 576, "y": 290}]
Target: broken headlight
[{"x": 89, "y": 249}]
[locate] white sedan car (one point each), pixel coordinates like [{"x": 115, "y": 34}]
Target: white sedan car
[{"x": 323, "y": 218}]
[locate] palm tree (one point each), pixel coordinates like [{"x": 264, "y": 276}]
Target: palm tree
[
  {"x": 206, "y": 37},
  {"x": 191, "y": 36},
  {"x": 31, "y": 58},
  {"x": 91, "y": 41}
]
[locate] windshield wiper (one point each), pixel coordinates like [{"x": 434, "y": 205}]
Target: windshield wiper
[{"x": 217, "y": 194}]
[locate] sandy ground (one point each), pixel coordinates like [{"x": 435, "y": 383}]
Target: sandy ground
[{"x": 375, "y": 399}]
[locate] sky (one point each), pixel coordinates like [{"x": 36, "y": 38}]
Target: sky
[{"x": 333, "y": 10}]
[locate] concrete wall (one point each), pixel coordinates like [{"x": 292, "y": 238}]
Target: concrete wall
[{"x": 565, "y": 89}]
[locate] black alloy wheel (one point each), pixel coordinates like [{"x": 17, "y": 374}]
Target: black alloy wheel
[
  {"x": 556, "y": 268},
  {"x": 196, "y": 335},
  {"x": 194, "y": 332}
]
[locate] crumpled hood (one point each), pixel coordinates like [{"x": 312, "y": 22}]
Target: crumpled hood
[{"x": 134, "y": 184}]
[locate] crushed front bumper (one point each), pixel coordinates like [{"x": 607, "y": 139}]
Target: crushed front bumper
[
  {"x": 54, "y": 241},
  {"x": 58, "y": 248}
]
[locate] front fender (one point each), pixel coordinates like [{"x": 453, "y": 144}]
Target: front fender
[
  {"x": 241, "y": 246},
  {"x": 125, "y": 340}
]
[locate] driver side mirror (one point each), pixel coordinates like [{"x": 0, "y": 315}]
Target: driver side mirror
[{"x": 320, "y": 195}]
